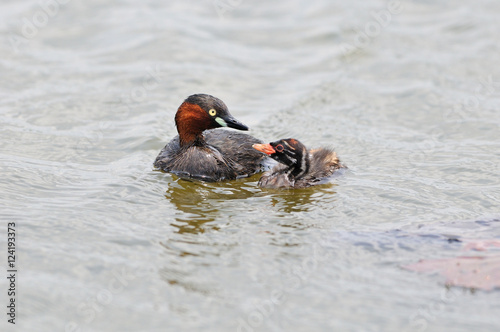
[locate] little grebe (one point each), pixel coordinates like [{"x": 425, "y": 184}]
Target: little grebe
[
  {"x": 209, "y": 155},
  {"x": 298, "y": 168}
]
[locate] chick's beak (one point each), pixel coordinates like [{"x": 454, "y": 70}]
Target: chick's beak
[{"x": 266, "y": 148}]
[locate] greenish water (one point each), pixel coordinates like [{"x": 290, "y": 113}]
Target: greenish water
[{"x": 409, "y": 97}]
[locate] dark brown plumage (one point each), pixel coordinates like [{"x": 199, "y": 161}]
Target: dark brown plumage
[
  {"x": 204, "y": 153},
  {"x": 298, "y": 167}
]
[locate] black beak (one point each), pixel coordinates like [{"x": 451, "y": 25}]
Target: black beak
[{"x": 233, "y": 123}]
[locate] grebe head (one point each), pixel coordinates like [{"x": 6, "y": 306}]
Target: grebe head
[
  {"x": 288, "y": 151},
  {"x": 200, "y": 112}
]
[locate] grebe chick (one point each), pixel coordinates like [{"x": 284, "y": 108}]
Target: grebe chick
[{"x": 298, "y": 167}]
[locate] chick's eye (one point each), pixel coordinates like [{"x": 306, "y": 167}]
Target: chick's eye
[
  {"x": 279, "y": 148},
  {"x": 212, "y": 112}
]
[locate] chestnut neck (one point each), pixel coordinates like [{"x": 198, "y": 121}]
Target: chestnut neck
[{"x": 191, "y": 120}]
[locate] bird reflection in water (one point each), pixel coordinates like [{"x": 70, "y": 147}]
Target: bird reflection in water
[
  {"x": 199, "y": 207},
  {"x": 298, "y": 200},
  {"x": 197, "y": 202}
]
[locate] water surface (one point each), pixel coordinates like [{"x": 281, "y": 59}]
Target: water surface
[{"x": 409, "y": 98}]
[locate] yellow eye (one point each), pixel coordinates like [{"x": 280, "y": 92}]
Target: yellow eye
[{"x": 212, "y": 112}]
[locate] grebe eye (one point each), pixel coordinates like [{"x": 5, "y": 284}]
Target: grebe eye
[
  {"x": 279, "y": 148},
  {"x": 212, "y": 112}
]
